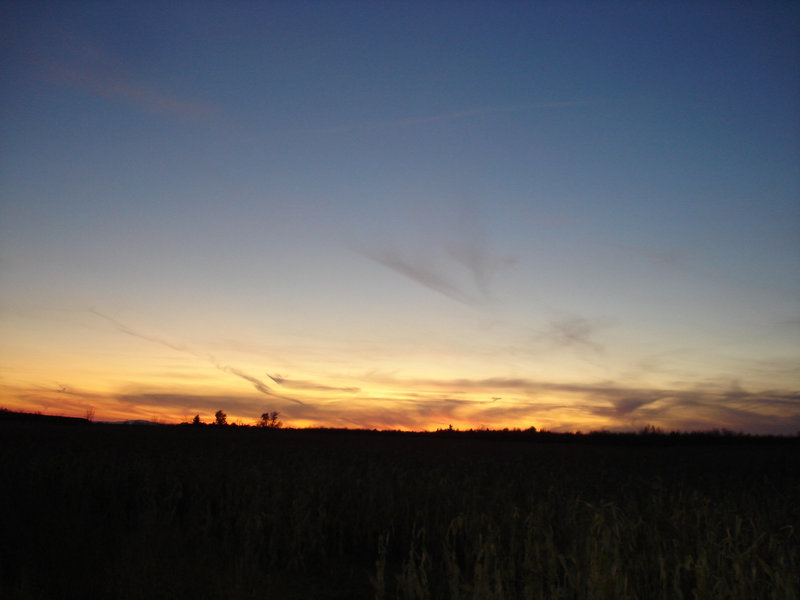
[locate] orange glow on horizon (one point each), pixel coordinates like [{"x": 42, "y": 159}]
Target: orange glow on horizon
[{"x": 176, "y": 392}]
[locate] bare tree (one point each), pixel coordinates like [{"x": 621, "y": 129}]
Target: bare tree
[{"x": 270, "y": 420}]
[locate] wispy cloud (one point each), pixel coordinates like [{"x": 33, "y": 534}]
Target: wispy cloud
[
  {"x": 574, "y": 331},
  {"x": 301, "y": 384},
  {"x": 258, "y": 384},
  {"x": 78, "y": 61},
  {"x": 456, "y": 262},
  {"x": 108, "y": 80},
  {"x": 255, "y": 381},
  {"x": 422, "y": 270},
  {"x": 110, "y": 84}
]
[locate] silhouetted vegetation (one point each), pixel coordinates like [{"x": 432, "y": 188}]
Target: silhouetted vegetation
[
  {"x": 270, "y": 420},
  {"x": 123, "y": 511}
]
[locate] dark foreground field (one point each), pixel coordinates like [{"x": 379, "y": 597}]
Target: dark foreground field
[{"x": 110, "y": 511}]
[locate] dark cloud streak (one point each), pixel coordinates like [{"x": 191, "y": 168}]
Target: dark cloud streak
[
  {"x": 310, "y": 385},
  {"x": 422, "y": 271},
  {"x": 457, "y": 263}
]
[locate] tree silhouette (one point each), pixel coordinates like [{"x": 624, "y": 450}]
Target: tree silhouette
[
  {"x": 220, "y": 418},
  {"x": 270, "y": 420},
  {"x": 196, "y": 420}
]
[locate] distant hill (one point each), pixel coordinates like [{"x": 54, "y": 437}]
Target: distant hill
[{"x": 11, "y": 415}]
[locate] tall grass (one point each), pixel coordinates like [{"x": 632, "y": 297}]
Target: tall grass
[{"x": 183, "y": 512}]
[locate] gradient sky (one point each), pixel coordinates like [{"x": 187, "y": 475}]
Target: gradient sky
[{"x": 566, "y": 215}]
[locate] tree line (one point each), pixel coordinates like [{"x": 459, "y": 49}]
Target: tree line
[{"x": 267, "y": 420}]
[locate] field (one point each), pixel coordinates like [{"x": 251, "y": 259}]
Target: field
[{"x": 113, "y": 511}]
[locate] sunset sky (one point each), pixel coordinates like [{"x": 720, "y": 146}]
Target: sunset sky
[{"x": 572, "y": 216}]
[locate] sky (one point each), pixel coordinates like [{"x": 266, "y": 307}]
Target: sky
[{"x": 565, "y": 215}]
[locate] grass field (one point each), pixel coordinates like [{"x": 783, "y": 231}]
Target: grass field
[{"x": 112, "y": 511}]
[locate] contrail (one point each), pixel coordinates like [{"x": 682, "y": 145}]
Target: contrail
[
  {"x": 150, "y": 338},
  {"x": 459, "y": 114}
]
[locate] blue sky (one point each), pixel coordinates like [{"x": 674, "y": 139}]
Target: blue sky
[{"x": 568, "y": 215}]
